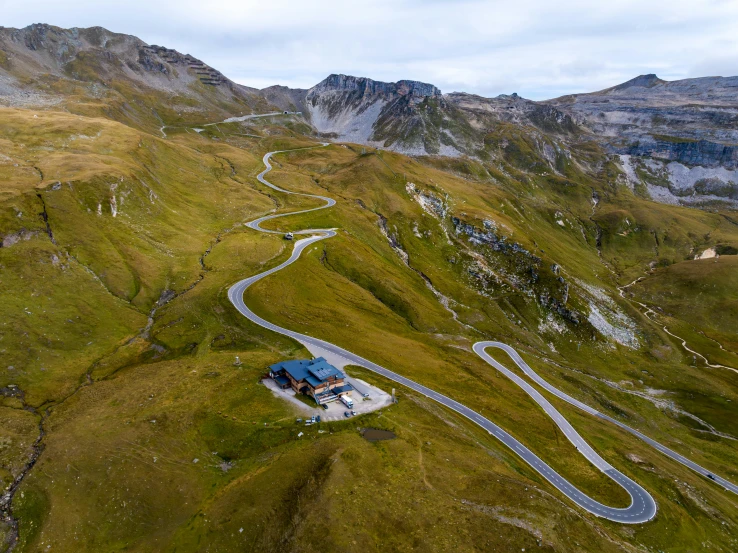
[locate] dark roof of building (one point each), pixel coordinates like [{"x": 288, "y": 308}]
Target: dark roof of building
[
  {"x": 341, "y": 389},
  {"x": 281, "y": 380},
  {"x": 314, "y": 371}
]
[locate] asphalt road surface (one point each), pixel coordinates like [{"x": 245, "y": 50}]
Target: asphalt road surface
[
  {"x": 481, "y": 346},
  {"x": 642, "y": 507}
]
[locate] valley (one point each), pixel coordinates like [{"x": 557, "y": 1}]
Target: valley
[{"x": 136, "y": 239}]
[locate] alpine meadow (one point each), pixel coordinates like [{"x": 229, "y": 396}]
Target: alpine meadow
[{"x": 364, "y": 316}]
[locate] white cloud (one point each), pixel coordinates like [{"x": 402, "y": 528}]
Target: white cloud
[{"x": 537, "y": 48}]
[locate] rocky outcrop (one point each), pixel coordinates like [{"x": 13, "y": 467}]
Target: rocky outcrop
[
  {"x": 513, "y": 263},
  {"x": 285, "y": 98},
  {"x": 364, "y": 86},
  {"x": 389, "y": 115},
  {"x": 412, "y": 117},
  {"x": 688, "y": 152},
  {"x": 14, "y": 237},
  {"x": 676, "y": 183}
]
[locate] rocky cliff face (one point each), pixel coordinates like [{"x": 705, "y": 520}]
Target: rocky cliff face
[
  {"x": 364, "y": 86},
  {"x": 696, "y": 109},
  {"x": 371, "y": 112},
  {"x": 679, "y": 139},
  {"x": 688, "y": 152},
  {"x": 412, "y": 117}
]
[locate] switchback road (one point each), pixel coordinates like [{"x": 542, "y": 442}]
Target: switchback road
[{"x": 642, "y": 507}]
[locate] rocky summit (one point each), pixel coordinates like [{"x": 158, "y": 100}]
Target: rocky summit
[{"x": 368, "y": 87}]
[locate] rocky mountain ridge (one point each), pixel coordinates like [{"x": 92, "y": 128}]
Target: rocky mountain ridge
[
  {"x": 676, "y": 141},
  {"x": 365, "y": 86},
  {"x": 46, "y": 65}
]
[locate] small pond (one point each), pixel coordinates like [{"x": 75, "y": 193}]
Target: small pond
[{"x": 376, "y": 435}]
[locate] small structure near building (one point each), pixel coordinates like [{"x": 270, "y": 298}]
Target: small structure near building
[{"x": 313, "y": 377}]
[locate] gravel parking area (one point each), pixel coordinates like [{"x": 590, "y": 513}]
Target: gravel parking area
[{"x": 376, "y": 400}]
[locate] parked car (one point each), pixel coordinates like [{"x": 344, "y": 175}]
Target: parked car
[
  {"x": 346, "y": 414},
  {"x": 312, "y": 419},
  {"x": 353, "y": 413},
  {"x": 317, "y": 419},
  {"x": 325, "y": 406},
  {"x": 299, "y": 421}
]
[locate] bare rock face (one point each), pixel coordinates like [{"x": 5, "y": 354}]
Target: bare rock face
[
  {"x": 682, "y": 136},
  {"x": 285, "y": 98},
  {"x": 371, "y": 112},
  {"x": 411, "y": 117},
  {"x": 692, "y": 120},
  {"x": 364, "y": 86},
  {"x": 686, "y": 151}
]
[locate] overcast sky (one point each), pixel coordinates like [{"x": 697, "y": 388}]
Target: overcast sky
[{"x": 537, "y": 48}]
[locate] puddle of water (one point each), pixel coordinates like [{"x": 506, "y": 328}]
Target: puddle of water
[{"x": 376, "y": 435}]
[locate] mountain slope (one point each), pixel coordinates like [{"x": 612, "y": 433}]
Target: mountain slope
[
  {"x": 678, "y": 140},
  {"x": 96, "y": 72}
]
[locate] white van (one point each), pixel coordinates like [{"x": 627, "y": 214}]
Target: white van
[{"x": 347, "y": 401}]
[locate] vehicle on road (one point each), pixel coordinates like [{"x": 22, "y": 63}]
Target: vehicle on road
[
  {"x": 289, "y": 236},
  {"x": 347, "y": 401}
]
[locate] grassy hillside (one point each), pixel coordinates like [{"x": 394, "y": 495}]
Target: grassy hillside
[
  {"x": 119, "y": 246},
  {"x": 698, "y": 300}
]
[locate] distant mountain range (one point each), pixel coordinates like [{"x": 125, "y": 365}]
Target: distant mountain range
[{"x": 676, "y": 140}]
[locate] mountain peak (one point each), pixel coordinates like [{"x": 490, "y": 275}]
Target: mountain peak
[
  {"x": 369, "y": 86},
  {"x": 642, "y": 81}
]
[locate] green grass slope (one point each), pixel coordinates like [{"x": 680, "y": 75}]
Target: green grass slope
[{"x": 118, "y": 250}]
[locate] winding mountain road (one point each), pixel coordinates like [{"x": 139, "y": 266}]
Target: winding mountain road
[{"x": 642, "y": 507}]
